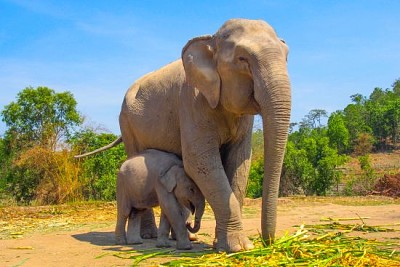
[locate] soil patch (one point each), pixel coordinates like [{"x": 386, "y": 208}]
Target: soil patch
[{"x": 83, "y": 234}]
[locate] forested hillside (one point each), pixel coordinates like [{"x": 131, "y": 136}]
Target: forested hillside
[
  {"x": 45, "y": 130},
  {"x": 316, "y": 153}
]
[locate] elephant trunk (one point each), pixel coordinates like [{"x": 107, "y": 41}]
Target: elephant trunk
[
  {"x": 197, "y": 219},
  {"x": 272, "y": 93}
]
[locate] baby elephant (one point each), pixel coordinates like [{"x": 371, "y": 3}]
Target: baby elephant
[{"x": 155, "y": 178}]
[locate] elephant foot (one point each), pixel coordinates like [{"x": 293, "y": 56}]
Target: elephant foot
[
  {"x": 135, "y": 240},
  {"x": 183, "y": 244},
  {"x": 149, "y": 233},
  {"x": 163, "y": 243},
  {"x": 120, "y": 240},
  {"x": 232, "y": 242}
]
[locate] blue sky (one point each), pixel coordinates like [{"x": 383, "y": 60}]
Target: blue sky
[{"x": 97, "y": 49}]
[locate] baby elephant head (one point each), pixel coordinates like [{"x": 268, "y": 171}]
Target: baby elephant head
[{"x": 187, "y": 193}]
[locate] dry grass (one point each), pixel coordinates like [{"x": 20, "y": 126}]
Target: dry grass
[
  {"x": 17, "y": 222},
  {"x": 381, "y": 163}
]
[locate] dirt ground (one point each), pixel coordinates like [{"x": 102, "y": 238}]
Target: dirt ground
[{"x": 83, "y": 235}]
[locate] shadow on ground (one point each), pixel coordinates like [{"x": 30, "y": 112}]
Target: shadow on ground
[
  {"x": 107, "y": 240},
  {"x": 97, "y": 238}
]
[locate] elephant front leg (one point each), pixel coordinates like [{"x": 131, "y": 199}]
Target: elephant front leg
[
  {"x": 172, "y": 216},
  {"x": 207, "y": 171},
  {"x": 163, "y": 232},
  {"x": 188, "y": 219}
]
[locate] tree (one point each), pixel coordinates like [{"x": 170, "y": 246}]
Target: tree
[
  {"x": 34, "y": 163},
  {"x": 296, "y": 170},
  {"x": 41, "y": 116},
  {"x": 311, "y": 160},
  {"x": 315, "y": 116},
  {"x": 355, "y": 118},
  {"x": 337, "y": 132},
  {"x": 396, "y": 87}
]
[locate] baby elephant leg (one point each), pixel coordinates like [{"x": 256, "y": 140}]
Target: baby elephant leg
[
  {"x": 122, "y": 216},
  {"x": 133, "y": 235},
  {"x": 187, "y": 217},
  {"x": 163, "y": 232},
  {"x": 172, "y": 210},
  {"x": 148, "y": 227}
]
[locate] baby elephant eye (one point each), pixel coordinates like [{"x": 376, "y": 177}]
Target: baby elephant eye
[
  {"x": 191, "y": 189},
  {"x": 242, "y": 59}
]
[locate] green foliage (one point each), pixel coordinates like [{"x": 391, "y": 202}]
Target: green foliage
[
  {"x": 316, "y": 164},
  {"x": 296, "y": 170},
  {"x": 354, "y": 117},
  {"x": 41, "y": 116},
  {"x": 36, "y": 151},
  {"x": 338, "y": 133},
  {"x": 378, "y": 115},
  {"x": 46, "y": 176},
  {"x": 257, "y": 145},
  {"x": 254, "y": 186},
  {"x": 310, "y": 163},
  {"x": 33, "y": 163},
  {"x": 98, "y": 172}
]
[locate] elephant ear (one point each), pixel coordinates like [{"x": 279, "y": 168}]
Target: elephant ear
[
  {"x": 201, "y": 68},
  {"x": 168, "y": 179}
]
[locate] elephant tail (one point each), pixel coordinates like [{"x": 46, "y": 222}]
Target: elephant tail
[{"x": 113, "y": 144}]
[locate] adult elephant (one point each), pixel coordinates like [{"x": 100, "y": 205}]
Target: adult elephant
[{"x": 201, "y": 107}]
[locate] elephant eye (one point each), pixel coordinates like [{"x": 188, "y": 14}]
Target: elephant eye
[
  {"x": 242, "y": 59},
  {"x": 191, "y": 189}
]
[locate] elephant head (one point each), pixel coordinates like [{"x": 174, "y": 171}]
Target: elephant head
[
  {"x": 186, "y": 192},
  {"x": 242, "y": 69}
]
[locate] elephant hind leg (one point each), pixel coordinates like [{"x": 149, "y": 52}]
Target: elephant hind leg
[
  {"x": 148, "y": 228},
  {"x": 120, "y": 232}
]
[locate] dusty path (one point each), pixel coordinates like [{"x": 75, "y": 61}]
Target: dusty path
[{"x": 92, "y": 244}]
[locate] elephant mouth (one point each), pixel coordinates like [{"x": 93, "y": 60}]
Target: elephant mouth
[{"x": 192, "y": 208}]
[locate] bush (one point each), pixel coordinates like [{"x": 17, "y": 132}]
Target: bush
[
  {"x": 256, "y": 176},
  {"x": 99, "y": 172},
  {"x": 45, "y": 176},
  {"x": 363, "y": 144}
]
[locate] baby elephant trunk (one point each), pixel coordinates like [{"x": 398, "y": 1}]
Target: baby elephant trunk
[
  {"x": 196, "y": 227},
  {"x": 197, "y": 219}
]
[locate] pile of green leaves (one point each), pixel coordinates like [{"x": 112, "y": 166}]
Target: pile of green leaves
[{"x": 312, "y": 246}]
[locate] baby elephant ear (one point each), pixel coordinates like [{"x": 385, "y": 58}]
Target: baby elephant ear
[
  {"x": 201, "y": 68},
  {"x": 168, "y": 179}
]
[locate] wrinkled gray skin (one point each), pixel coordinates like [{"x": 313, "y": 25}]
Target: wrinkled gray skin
[
  {"x": 155, "y": 178},
  {"x": 201, "y": 107}
]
